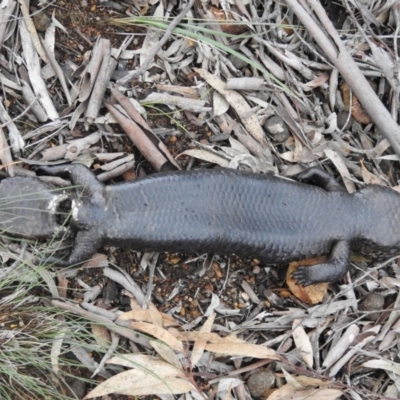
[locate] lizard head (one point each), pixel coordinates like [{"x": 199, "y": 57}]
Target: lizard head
[{"x": 29, "y": 208}]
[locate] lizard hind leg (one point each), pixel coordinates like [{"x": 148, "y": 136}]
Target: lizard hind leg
[
  {"x": 86, "y": 244},
  {"x": 330, "y": 271},
  {"x": 319, "y": 177}
]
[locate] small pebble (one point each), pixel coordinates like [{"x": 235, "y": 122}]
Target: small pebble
[
  {"x": 277, "y": 129},
  {"x": 260, "y": 383},
  {"x": 41, "y": 21},
  {"x": 373, "y": 301},
  {"x": 77, "y": 388}
]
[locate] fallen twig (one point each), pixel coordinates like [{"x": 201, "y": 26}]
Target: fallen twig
[{"x": 336, "y": 51}]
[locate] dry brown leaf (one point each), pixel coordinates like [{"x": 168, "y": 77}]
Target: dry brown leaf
[
  {"x": 383, "y": 364},
  {"x": 168, "y": 386},
  {"x": 302, "y": 342},
  {"x": 144, "y": 316},
  {"x": 341, "y": 166},
  {"x": 390, "y": 283},
  {"x": 308, "y": 381},
  {"x": 242, "y": 349},
  {"x": 332, "y": 307},
  {"x": 286, "y": 392},
  {"x": 357, "y": 111},
  {"x": 229, "y": 345},
  {"x": 237, "y": 102},
  {"x": 182, "y": 90},
  {"x": 220, "y": 105},
  {"x": 282, "y": 393},
  {"x": 341, "y": 346},
  {"x": 205, "y": 155},
  {"x": 139, "y": 383},
  {"x": 287, "y": 27},
  {"x": 159, "y": 333},
  {"x": 62, "y": 286},
  {"x": 199, "y": 345},
  {"x": 211, "y": 337},
  {"x": 155, "y": 315},
  {"x": 230, "y": 25},
  {"x": 287, "y": 156},
  {"x": 298, "y": 149},
  {"x": 318, "y": 80},
  {"x": 302, "y": 154},
  {"x": 146, "y": 363},
  {"x": 312, "y": 294},
  {"x": 292, "y": 381},
  {"x": 369, "y": 178},
  {"x": 101, "y": 335},
  {"x": 166, "y": 353}
]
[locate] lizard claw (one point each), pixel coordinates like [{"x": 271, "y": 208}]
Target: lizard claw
[{"x": 302, "y": 276}]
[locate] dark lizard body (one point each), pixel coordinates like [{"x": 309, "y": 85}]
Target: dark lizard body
[{"x": 225, "y": 211}]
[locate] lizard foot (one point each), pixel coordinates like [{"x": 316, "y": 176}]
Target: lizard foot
[{"x": 302, "y": 276}]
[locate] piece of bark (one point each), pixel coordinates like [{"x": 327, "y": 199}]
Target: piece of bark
[
  {"x": 100, "y": 85},
  {"x": 129, "y": 108},
  {"x": 116, "y": 172},
  {"x": 59, "y": 72},
  {"x": 5, "y": 154},
  {"x": 145, "y": 130},
  {"x": 30, "y": 26},
  {"x": 33, "y": 66},
  {"x": 90, "y": 73},
  {"x": 30, "y": 98},
  {"x": 139, "y": 139},
  {"x": 194, "y": 105},
  {"x": 6, "y": 15}
]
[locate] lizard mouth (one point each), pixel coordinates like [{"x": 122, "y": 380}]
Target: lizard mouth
[{"x": 61, "y": 207}]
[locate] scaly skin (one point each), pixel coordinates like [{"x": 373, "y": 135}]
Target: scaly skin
[{"x": 225, "y": 211}]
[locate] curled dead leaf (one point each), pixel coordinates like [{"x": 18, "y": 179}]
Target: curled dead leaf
[
  {"x": 312, "y": 294},
  {"x": 159, "y": 333},
  {"x": 357, "y": 111},
  {"x": 231, "y": 26}
]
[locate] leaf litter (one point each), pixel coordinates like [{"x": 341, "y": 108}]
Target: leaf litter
[{"x": 151, "y": 86}]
